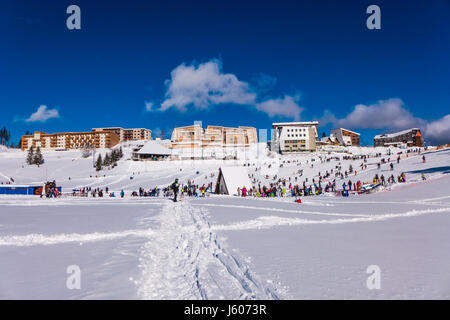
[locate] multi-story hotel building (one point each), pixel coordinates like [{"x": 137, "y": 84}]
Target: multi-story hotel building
[
  {"x": 128, "y": 134},
  {"x": 346, "y": 137},
  {"x": 294, "y": 136},
  {"x": 410, "y": 138},
  {"x": 69, "y": 140},
  {"x": 213, "y": 137}
]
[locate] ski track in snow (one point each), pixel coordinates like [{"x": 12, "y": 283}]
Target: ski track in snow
[
  {"x": 284, "y": 210},
  {"x": 80, "y": 202},
  {"x": 174, "y": 222},
  {"x": 277, "y": 221},
  {"x": 184, "y": 260},
  {"x": 40, "y": 239}
]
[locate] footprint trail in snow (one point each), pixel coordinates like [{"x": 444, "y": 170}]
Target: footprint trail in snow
[{"x": 183, "y": 259}]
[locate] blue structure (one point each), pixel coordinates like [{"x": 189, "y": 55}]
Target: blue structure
[{"x": 22, "y": 190}]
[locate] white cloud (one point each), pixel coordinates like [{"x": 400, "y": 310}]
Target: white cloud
[
  {"x": 43, "y": 114},
  {"x": 286, "y": 107},
  {"x": 386, "y": 114},
  {"x": 391, "y": 115},
  {"x": 204, "y": 85},
  {"x": 438, "y": 131}
]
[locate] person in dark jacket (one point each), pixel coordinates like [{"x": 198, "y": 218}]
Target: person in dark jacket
[{"x": 175, "y": 187}]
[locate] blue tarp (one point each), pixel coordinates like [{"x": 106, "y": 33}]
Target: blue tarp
[{"x": 23, "y": 190}]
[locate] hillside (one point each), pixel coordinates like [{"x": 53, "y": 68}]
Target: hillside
[{"x": 226, "y": 246}]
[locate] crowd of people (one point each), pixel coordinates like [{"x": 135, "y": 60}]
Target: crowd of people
[
  {"x": 50, "y": 190},
  {"x": 324, "y": 182},
  {"x": 266, "y": 186}
]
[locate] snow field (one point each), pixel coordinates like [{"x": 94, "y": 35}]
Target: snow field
[{"x": 225, "y": 247}]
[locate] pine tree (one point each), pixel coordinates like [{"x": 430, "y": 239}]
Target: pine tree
[
  {"x": 107, "y": 160},
  {"x": 98, "y": 165},
  {"x": 30, "y": 156},
  {"x": 4, "y": 136},
  {"x": 113, "y": 156},
  {"x": 38, "y": 158}
]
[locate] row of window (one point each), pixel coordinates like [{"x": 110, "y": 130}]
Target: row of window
[
  {"x": 296, "y": 130},
  {"x": 294, "y": 141},
  {"x": 296, "y": 135}
]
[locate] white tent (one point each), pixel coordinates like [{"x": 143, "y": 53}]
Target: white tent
[{"x": 230, "y": 179}]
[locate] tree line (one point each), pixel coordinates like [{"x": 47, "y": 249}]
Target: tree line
[
  {"x": 35, "y": 157},
  {"x": 5, "y": 136},
  {"x": 110, "y": 159}
]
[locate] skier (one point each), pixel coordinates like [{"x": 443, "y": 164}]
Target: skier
[
  {"x": 122, "y": 194},
  {"x": 423, "y": 159},
  {"x": 175, "y": 186}
]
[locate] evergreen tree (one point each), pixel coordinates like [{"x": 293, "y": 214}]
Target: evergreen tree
[
  {"x": 120, "y": 153},
  {"x": 5, "y": 135},
  {"x": 107, "y": 160},
  {"x": 30, "y": 156},
  {"x": 38, "y": 158},
  {"x": 113, "y": 156},
  {"x": 98, "y": 165}
]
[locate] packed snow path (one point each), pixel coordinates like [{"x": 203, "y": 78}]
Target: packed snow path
[
  {"x": 170, "y": 249},
  {"x": 184, "y": 260}
]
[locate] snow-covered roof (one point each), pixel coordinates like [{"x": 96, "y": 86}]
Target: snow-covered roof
[
  {"x": 395, "y": 134},
  {"x": 332, "y": 138},
  {"x": 303, "y": 123},
  {"x": 235, "y": 177},
  {"x": 153, "y": 147},
  {"x": 346, "y": 130}
]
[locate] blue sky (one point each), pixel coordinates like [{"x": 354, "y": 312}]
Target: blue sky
[{"x": 226, "y": 63}]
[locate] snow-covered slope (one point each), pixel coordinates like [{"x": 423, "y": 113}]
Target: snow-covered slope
[{"x": 224, "y": 246}]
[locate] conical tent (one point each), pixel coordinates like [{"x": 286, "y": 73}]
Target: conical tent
[{"x": 230, "y": 179}]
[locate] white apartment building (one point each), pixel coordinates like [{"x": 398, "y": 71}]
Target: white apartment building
[{"x": 291, "y": 137}]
